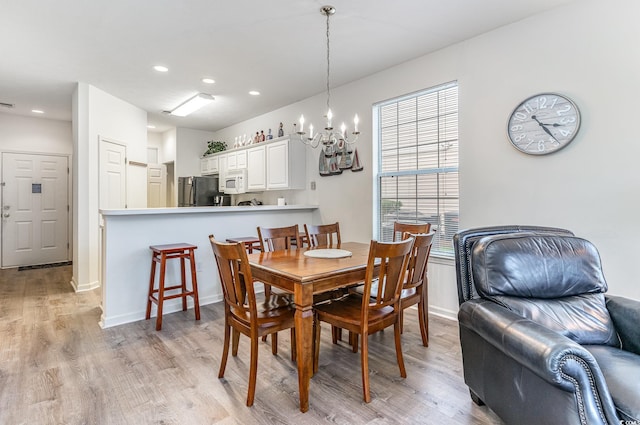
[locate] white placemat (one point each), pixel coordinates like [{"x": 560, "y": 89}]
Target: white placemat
[{"x": 328, "y": 253}]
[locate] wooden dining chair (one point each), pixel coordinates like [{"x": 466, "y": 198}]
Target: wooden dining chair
[
  {"x": 400, "y": 228},
  {"x": 415, "y": 289},
  {"x": 327, "y": 235},
  {"x": 323, "y": 234},
  {"x": 415, "y": 283},
  {"x": 276, "y": 238},
  {"x": 241, "y": 310},
  {"x": 363, "y": 315}
]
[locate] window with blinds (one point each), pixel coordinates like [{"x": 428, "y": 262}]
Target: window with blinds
[{"x": 417, "y": 174}]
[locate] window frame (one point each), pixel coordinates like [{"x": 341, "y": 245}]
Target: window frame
[{"x": 378, "y": 175}]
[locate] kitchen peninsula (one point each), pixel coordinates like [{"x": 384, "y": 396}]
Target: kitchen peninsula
[{"x": 126, "y": 259}]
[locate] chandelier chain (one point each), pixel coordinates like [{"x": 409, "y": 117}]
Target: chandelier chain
[
  {"x": 335, "y": 144},
  {"x": 328, "y": 65}
]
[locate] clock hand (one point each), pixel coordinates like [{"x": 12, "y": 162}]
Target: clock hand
[
  {"x": 555, "y": 124},
  {"x": 546, "y": 130}
]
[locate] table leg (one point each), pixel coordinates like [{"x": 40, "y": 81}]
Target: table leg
[{"x": 303, "y": 296}]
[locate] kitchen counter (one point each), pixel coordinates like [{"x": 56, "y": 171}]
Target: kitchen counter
[
  {"x": 199, "y": 210},
  {"x": 126, "y": 258}
]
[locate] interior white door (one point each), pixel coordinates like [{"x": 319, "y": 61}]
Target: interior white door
[
  {"x": 113, "y": 175},
  {"x": 156, "y": 186},
  {"x": 35, "y": 209}
]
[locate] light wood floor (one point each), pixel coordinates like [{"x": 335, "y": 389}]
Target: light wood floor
[{"x": 58, "y": 367}]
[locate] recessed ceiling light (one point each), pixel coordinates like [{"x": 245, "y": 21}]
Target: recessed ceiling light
[
  {"x": 161, "y": 68},
  {"x": 151, "y": 126},
  {"x": 37, "y": 111},
  {"x": 208, "y": 80},
  {"x": 254, "y": 93}
]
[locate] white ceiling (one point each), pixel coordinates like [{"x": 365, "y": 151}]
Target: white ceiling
[{"x": 276, "y": 47}]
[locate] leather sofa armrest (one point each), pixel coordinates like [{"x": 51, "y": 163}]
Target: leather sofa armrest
[
  {"x": 550, "y": 355},
  {"x": 625, "y": 314}
]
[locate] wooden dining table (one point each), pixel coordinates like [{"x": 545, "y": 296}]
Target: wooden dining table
[{"x": 305, "y": 276}]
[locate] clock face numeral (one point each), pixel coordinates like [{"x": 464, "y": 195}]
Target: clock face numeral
[{"x": 543, "y": 124}]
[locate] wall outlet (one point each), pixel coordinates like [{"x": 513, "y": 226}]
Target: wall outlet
[{"x": 313, "y": 185}]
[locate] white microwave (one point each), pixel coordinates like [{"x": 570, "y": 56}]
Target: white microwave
[{"x": 235, "y": 181}]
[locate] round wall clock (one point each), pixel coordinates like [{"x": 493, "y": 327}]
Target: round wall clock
[{"x": 543, "y": 124}]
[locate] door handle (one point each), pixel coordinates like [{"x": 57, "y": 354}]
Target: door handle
[{"x": 5, "y": 215}]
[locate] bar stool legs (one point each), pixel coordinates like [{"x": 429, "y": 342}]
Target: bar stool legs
[{"x": 160, "y": 255}]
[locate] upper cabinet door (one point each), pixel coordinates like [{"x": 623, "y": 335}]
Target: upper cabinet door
[
  {"x": 256, "y": 171},
  {"x": 241, "y": 159},
  {"x": 209, "y": 165},
  {"x": 278, "y": 165}
]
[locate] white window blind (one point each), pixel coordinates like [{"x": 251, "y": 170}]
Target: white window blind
[{"x": 417, "y": 174}]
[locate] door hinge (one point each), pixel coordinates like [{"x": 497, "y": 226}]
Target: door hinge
[{"x": 67, "y": 208}]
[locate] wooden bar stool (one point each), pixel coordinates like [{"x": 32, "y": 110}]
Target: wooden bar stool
[
  {"x": 160, "y": 254},
  {"x": 250, "y": 242}
]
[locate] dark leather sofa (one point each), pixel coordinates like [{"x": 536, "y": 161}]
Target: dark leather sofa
[{"x": 541, "y": 343}]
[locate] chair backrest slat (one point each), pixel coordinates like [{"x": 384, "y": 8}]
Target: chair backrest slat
[
  {"x": 323, "y": 234},
  {"x": 234, "y": 272},
  {"x": 417, "y": 272},
  {"x": 400, "y": 228},
  {"x": 278, "y": 238},
  {"x": 394, "y": 261}
]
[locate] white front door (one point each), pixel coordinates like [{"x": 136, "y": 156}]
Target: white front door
[
  {"x": 35, "y": 209},
  {"x": 156, "y": 185},
  {"x": 113, "y": 176}
]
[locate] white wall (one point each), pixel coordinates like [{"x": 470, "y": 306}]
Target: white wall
[
  {"x": 154, "y": 140},
  {"x": 168, "y": 146},
  {"x": 100, "y": 115},
  {"x": 591, "y": 186},
  {"x": 190, "y": 145},
  {"x": 585, "y": 50},
  {"x": 35, "y": 135}
]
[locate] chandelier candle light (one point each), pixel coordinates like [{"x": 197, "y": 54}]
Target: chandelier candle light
[{"x": 335, "y": 154}]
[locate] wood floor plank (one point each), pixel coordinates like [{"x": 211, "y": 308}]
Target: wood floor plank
[{"x": 57, "y": 366}]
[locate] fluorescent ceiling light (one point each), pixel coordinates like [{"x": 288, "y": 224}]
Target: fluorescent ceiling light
[
  {"x": 151, "y": 126},
  {"x": 37, "y": 111},
  {"x": 254, "y": 93},
  {"x": 208, "y": 80},
  {"x": 193, "y": 104},
  {"x": 161, "y": 68}
]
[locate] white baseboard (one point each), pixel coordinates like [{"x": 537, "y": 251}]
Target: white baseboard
[
  {"x": 85, "y": 286},
  {"x": 168, "y": 307},
  {"x": 444, "y": 313}
]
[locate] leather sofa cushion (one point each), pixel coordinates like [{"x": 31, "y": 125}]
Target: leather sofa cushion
[
  {"x": 536, "y": 266},
  {"x": 621, "y": 370},
  {"x": 554, "y": 280},
  {"x": 582, "y": 318}
]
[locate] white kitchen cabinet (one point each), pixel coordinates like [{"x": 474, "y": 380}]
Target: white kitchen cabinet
[
  {"x": 285, "y": 165},
  {"x": 256, "y": 169},
  {"x": 241, "y": 159},
  {"x": 237, "y": 160},
  {"x": 232, "y": 163},
  {"x": 277, "y": 164},
  {"x": 222, "y": 170},
  {"x": 209, "y": 165}
]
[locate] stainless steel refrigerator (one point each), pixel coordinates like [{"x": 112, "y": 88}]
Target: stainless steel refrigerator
[{"x": 196, "y": 191}]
